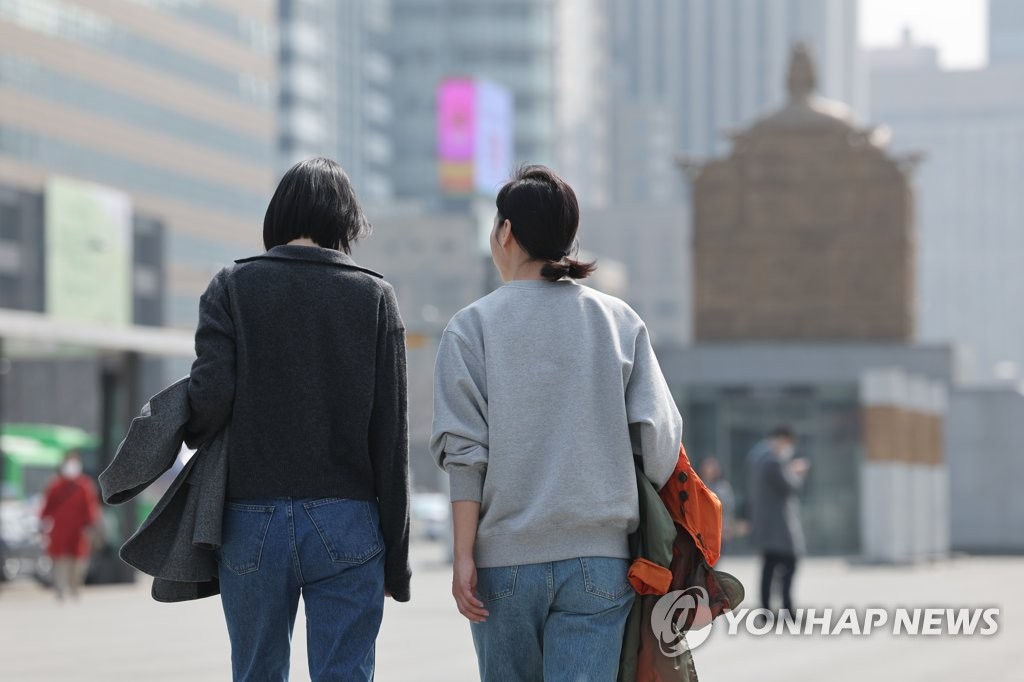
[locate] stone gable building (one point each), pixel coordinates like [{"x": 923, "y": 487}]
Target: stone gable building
[{"x": 805, "y": 231}]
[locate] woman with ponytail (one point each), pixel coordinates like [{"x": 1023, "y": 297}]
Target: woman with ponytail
[{"x": 544, "y": 391}]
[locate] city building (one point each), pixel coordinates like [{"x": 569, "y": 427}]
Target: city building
[
  {"x": 1005, "y": 32},
  {"x": 652, "y": 243},
  {"x": 805, "y": 231},
  {"x": 907, "y": 56},
  {"x": 969, "y": 128},
  {"x": 510, "y": 43},
  {"x": 685, "y": 73},
  {"x": 803, "y": 247},
  {"x": 136, "y": 159},
  {"x": 334, "y": 93},
  {"x": 675, "y": 78}
]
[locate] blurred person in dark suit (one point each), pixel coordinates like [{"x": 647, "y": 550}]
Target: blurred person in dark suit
[{"x": 774, "y": 479}]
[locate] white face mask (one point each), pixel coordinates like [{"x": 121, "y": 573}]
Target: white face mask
[
  {"x": 71, "y": 468},
  {"x": 786, "y": 451}
]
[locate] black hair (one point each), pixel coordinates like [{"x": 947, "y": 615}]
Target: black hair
[
  {"x": 315, "y": 199},
  {"x": 783, "y": 431},
  {"x": 545, "y": 217}
]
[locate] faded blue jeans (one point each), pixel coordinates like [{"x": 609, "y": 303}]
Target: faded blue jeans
[
  {"x": 328, "y": 550},
  {"x": 562, "y": 620}
]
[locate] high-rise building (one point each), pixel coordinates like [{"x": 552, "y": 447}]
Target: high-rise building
[
  {"x": 136, "y": 157},
  {"x": 1005, "y": 32},
  {"x": 509, "y": 42},
  {"x": 334, "y": 99},
  {"x": 685, "y": 72},
  {"x": 969, "y": 126}
]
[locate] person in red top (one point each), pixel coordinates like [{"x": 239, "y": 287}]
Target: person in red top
[{"x": 70, "y": 510}]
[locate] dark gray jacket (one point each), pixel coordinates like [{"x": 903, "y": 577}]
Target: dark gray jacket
[
  {"x": 176, "y": 542},
  {"x": 775, "y": 524},
  {"x": 300, "y": 352}
]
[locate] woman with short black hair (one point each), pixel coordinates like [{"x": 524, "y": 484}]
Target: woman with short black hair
[
  {"x": 301, "y": 356},
  {"x": 543, "y": 392}
]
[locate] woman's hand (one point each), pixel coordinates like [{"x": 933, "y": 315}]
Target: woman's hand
[{"x": 464, "y": 590}]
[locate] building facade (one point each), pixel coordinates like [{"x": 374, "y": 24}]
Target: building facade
[
  {"x": 653, "y": 243},
  {"x": 334, "y": 96},
  {"x": 136, "y": 157},
  {"x": 803, "y": 315},
  {"x": 1005, "y": 32},
  {"x": 969, "y": 127},
  {"x": 805, "y": 231},
  {"x": 510, "y": 43},
  {"x": 685, "y": 73}
]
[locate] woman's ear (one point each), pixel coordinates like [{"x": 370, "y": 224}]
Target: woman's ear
[{"x": 505, "y": 234}]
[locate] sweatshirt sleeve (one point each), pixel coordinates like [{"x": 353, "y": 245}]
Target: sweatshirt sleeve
[
  {"x": 211, "y": 387},
  {"x": 389, "y": 446},
  {"x": 460, "y": 437},
  {"x": 655, "y": 426}
]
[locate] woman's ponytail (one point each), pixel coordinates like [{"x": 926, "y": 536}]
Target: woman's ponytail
[{"x": 567, "y": 267}]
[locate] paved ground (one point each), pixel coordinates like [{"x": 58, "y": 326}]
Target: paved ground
[{"x": 118, "y": 633}]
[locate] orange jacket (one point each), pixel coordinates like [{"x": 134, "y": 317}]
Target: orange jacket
[{"x": 688, "y": 516}]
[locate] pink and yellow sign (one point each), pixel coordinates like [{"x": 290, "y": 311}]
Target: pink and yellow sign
[{"x": 474, "y": 135}]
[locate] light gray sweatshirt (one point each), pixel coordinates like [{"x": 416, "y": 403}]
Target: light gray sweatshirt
[{"x": 543, "y": 391}]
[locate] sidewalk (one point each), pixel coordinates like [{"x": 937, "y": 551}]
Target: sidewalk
[{"x": 120, "y": 633}]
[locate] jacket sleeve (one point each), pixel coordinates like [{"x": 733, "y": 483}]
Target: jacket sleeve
[
  {"x": 655, "y": 426},
  {"x": 211, "y": 388},
  {"x": 389, "y": 446},
  {"x": 460, "y": 435}
]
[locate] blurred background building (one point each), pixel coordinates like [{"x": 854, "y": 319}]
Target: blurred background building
[
  {"x": 686, "y": 73},
  {"x": 154, "y": 122},
  {"x": 509, "y": 42},
  {"x": 335, "y": 89},
  {"x": 969, "y": 126},
  {"x": 804, "y": 254}
]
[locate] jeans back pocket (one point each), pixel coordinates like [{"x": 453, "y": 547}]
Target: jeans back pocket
[
  {"x": 606, "y": 577},
  {"x": 350, "y": 529},
  {"x": 496, "y": 582},
  {"x": 244, "y": 532}
]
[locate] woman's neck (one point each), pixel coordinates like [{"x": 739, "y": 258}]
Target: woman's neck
[
  {"x": 526, "y": 270},
  {"x": 302, "y": 241}
]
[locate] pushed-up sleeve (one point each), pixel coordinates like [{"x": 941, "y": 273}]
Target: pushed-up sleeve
[
  {"x": 459, "y": 440},
  {"x": 655, "y": 426}
]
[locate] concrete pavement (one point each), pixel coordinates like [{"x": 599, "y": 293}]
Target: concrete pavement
[{"x": 119, "y": 633}]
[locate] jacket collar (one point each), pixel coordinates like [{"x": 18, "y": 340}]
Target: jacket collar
[{"x": 310, "y": 254}]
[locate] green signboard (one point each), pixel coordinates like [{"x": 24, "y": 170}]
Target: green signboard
[{"x": 88, "y": 252}]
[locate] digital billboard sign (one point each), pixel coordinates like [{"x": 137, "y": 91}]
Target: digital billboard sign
[{"x": 475, "y": 131}]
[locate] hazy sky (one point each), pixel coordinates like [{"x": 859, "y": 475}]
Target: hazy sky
[{"x": 957, "y": 27}]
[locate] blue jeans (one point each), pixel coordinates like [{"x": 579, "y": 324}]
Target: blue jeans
[
  {"x": 328, "y": 550},
  {"x": 562, "y": 620}
]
